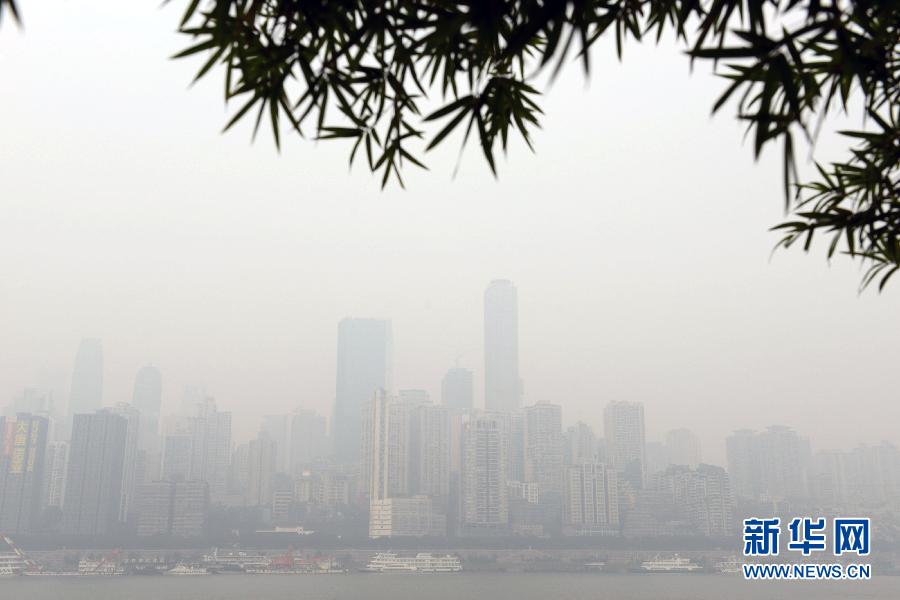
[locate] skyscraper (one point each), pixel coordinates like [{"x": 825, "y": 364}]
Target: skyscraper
[
  {"x": 23, "y": 441},
  {"x": 147, "y": 398},
  {"x": 55, "y": 463},
  {"x": 591, "y": 501},
  {"x": 94, "y": 479},
  {"x": 130, "y": 462},
  {"x": 457, "y": 391},
  {"x": 744, "y": 464},
  {"x": 485, "y": 500},
  {"x": 261, "y": 463},
  {"x": 429, "y": 452},
  {"x": 580, "y": 444},
  {"x": 210, "y": 431},
  {"x": 544, "y": 451},
  {"x": 277, "y": 427},
  {"x": 176, "y": 456},
  {"x": 623, "y": 424},
  {"x": 683, "y": 448},
  {"x": 308, "y": 439},
  {"x": 86, "y": 393},
  {"x": 771, "y": 465},
  {"x": 363, "y": 366},
  {"x": 384, "y": 464},
  {"x": 502, "y": 386}
]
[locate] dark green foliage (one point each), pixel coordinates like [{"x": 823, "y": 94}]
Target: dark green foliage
[
  {"x": 365, "y": 70},
  {"x": 368, "y": 72},
  {"x": 11, "y": 6}
]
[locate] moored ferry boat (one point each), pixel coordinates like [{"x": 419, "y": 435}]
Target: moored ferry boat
[
  {"x": 675, "y": 564},
  {"x": 730, "y": 566},
  {"x": 235, "y": 560},
  {"x": 423, "y": 562},
  {"x": 184, "y": 569}
]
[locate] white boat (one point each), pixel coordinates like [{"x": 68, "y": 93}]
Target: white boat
[
  {"x": 423, "y": 562},
  {"x": 730, "y": 566},
  {"x": 676, "y": 564},
  {"x": 11, "y": 564},
  {"x": 235, "y": 560},
  {"x": 183, "y": 569}
]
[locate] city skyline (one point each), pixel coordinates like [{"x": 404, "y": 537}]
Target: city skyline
[
  {"x": 362, "y": 337},
  {"x": 228, "y": 265}
]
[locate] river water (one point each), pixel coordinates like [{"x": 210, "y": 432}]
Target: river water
[{"x": 463, "y": 586}]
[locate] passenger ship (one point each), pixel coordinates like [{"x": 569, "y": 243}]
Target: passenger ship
[
  {"x": 675, "y": 564},
  {"x": 184, "y": 569},
  {"x": 423, "y": 562},
  {"x": 729, "y": 565}
]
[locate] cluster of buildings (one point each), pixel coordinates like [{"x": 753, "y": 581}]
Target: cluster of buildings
[{"x": 413, "y": 465}]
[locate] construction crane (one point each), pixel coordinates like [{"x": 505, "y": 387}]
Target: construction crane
[{"x": 30, "y": 565}]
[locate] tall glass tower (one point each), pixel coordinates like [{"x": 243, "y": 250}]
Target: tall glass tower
[{"x": 502, "y": 386}]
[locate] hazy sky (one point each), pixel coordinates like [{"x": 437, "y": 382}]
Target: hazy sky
[{"x": 637, "y": 237}]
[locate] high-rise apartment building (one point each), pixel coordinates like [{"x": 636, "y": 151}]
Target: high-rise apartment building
[
  {"x": 210, "y": 447},
  {"x": 178, "y": 509},
  {"x": 363, "y": 367},
  {"x": 544, "y": 450},
  {"x": 484, "y": 494},
  {"x": 429, "y": 452},
  {"x": 502, "y": 385},
  {"x": 579, "y": 444},
  {"x": 623, "y": 425},
  {"x": 94, "y": 479},
  {"x": 278, "y": 429},
  {"x": 702, "y": 496},
  {"x": 261, "y": 463},
  {"x": 683, "y": 448},
  {"x": 770, "y": 465},
  {"x": 23, "y": 441},
  {"x": 592, "y": 499}
]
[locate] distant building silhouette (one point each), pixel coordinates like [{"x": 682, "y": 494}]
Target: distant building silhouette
[
  {"x": 502, "y": 385},
  {"x": 683, "y": 448},
  {"x": 179, "y": 509},
  {"x": 457, "y": 390},
  {"x": 770, "y": 465},
  {"x": 147, "y": 398},
  {"x": 23, "y": 441},
  {"x": 363, "y": 366},
  {"x": 309, "y": 439},
  {"x": 261, "y": 462},
  {"x": 86, "y": 392},
  {"x": 94, "y": 480},
  {"x": 623, "y": 424}
]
